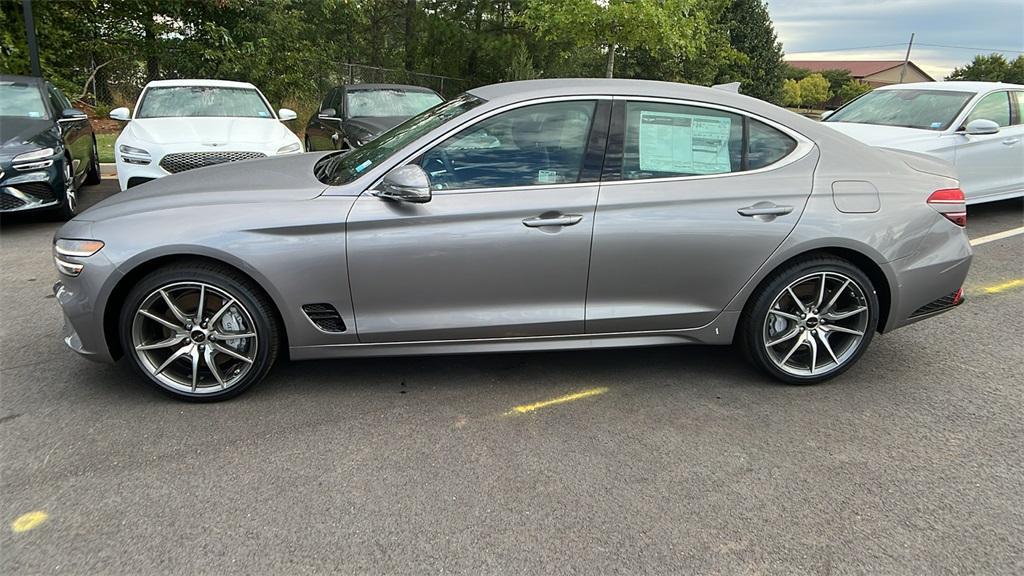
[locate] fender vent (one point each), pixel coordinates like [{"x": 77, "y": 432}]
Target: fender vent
[{"x": 325, "y": 317}]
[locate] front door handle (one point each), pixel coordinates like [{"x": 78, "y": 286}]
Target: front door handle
[
  {"x": 560, "y": 220},
  {"x": 1011, "y": 141},
  {"x": 765, "y": 209}
]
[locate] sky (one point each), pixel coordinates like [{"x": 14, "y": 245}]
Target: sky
[{"x": 815, "y": 29}]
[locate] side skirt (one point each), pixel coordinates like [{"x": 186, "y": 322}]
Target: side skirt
[{"x": 719, "y": 331}]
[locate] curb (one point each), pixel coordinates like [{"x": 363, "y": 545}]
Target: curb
[{"x": 108, "y": 169}]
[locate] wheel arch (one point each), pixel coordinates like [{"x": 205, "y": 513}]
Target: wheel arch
[
  {"x": 874, "y": 271},
  {"x": 119, "y": 292}
]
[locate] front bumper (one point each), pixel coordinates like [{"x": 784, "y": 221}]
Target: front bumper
[{"x": 26, "y": 190}]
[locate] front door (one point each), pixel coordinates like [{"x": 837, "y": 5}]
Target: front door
[
  {"x": 503, "y": 247},
  {"x": 688, "y": 213},
  {"x": 991, "y": 164}
]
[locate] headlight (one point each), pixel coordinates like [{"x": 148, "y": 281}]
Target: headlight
[
  {"x": 34, "y": 160},
  {"x": 65, "y": 248},
  {"x": 133, "y": 155},
  {"x": 290, "y": 149}
]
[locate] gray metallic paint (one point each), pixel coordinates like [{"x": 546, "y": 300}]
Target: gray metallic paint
[{"x": 462, "y": 274}]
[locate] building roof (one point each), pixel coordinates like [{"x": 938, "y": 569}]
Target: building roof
[{"x": 857, "y": 68}]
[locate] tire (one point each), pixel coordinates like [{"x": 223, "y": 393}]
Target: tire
[
  {"x": 233, "y": 306},
  {"x": 68, "y": 207},
  {"x": 92, "y": 177},
  {"x": 308, "y": 145},
  {"x": 819, "y": 334}
]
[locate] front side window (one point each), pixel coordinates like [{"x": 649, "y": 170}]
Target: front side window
[
  {"x": 924, "y": 109},
  {"x": 669, "y": 140},
  {"x": 21, "y": 100},
  {"x": 388, "y": 102},
  {"x": 202, "y": 101},
  {"x": 532, "y": 145},
  {"x": 994, "y": 107}
]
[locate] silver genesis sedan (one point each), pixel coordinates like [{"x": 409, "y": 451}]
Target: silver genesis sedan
[{"x": 538, "y": 215}]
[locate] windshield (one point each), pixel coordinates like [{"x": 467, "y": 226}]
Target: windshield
[
  {"x": 341, "y": 168},
  {"x": 21, "y": 100},
  {"x": 178, "y": 101},
  {"x": 389, "y": 102},
  {"x": 926, "y": 109}
]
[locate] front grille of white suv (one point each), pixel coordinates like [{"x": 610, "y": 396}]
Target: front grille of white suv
[{"x": 182, "y": 161}]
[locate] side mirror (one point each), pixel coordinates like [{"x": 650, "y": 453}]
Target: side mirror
[
  {"x": 286, "y": 114},
  {"x": 407, "y": 183},
  {"x": 72, "y": 115},
  {"x": 328, "y": 114},
  {"x": 122, "y": 114},
  {"x": 981, "y": 126},
  {"x": 826, "y": 114}
]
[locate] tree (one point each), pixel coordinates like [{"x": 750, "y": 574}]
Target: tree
[
  {"x": 991, "y": 68},
  {"x": 752, "y": 33},
  {"x": 814, "y": 90},
  {"x": 791, "y": 93},
  {"x": 851, "y": 90}
]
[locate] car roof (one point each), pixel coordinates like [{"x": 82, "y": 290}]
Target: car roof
[
  {"x": 17, "y": 78},
  {"x": 951, "y": 85},
  {"x": 199, "y": 82},
  {"x": 406, "y": 87}
]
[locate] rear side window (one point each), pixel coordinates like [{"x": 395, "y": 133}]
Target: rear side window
[
  {"x": 994, "y": 107},
  {"x": 672, "y": 140}
]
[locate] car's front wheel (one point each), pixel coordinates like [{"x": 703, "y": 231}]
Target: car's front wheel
[
  {"x": 69, "y": 204},
  {"x": 199, "y": 331},
  {"x": 810, "y": 321},
  {"x": 93, "y": 177}
]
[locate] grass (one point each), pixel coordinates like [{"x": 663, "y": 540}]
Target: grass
[{"x": 105, "y": 144}]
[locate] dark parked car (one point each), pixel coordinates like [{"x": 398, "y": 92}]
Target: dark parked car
[
  {"x": 47, "y": 148},
  {"x": 352, "y": 115}
]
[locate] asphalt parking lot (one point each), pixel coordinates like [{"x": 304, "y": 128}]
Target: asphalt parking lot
[{"x": 662, "y": 460}]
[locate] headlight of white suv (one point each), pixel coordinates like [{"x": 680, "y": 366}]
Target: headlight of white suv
[
  {"x": 290, "y": 149},
  {"x": 34, "y": 160},
  {"x": 133, "y": 155}
]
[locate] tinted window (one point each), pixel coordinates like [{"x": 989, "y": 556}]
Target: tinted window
[
  {"x": 994, "y": 107},
  {"x": 20, "y": 99},
  {"x": 539, "y": 144},
  {"x": 926, "y": 109},
  {"x": 666, "y": 140},
  {"x": 330, "y": 99},
  {"x": 55, "y": 101},
  {"x": 766, "y": 145},
  {"x": 202, "y": 101},
  {"x": 65, "y": 103}
]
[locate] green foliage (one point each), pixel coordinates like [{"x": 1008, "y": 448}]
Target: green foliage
[
  {"x": 752, "y": 34},
  {"x": 851, "y": 90},
  {"x": 837, "y": 78},
  {"x": 791, "y": 93},
  {"x": 814, "y": 90},
  {"x": 991, "y": 68}
]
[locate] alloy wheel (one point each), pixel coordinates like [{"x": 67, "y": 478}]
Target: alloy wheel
[
  {"x": 194, "y": 337},
  {"x": 816, "y": 324},
  {"x": 69, "y": 188}
]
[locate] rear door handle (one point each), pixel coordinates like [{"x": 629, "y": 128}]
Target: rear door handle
[
  {"x": 560, "y": 220},
  {"x": 1011, "y": 141},
  {"x": 765, "y": 209}
]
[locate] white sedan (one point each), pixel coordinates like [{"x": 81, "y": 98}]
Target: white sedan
[
  {"x": 179, "y": 125},
  {"x": 977, "y": 126}
]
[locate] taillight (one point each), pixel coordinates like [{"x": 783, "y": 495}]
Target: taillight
[{"x": 950, "y": 203}]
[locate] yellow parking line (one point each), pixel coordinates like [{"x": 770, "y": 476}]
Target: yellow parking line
[
  {"x": 526, "y": 408},
  {"x": 997, "y": 288},
  {"x": 28, "y": 521}
]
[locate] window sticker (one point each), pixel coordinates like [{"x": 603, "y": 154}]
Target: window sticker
[
  {"x": 684, "y": 143},
  {"x": 547, "y": 176},
  {"x": 363, "y": 166}
]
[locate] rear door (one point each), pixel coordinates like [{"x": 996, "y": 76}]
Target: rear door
[
  {"x": 694, "y": 200},
  {"x": 502, "y": 248}
]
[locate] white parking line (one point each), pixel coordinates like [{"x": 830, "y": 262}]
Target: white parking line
[{"x": 997, "y": 236}]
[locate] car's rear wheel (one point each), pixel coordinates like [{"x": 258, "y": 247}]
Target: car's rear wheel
[
  {"x": 308, "y": 146},
  {"x": 199, "y": 331},
  {"x": 810, "y": 321},
  {"x": 93, "y": 176}
]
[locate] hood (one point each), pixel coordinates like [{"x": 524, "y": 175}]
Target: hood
[
  {"x": 373, "y": 126},
  {"x": 210, "y": 131},
  {"x": 17, "y": 133},
  {"x": 887, "y": 136},
  {"x": 277, "y": 179}
]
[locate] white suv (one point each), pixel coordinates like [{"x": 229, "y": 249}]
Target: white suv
[
  {"x": 978, "y": 126},
  {"x": 179, "y": 125}
]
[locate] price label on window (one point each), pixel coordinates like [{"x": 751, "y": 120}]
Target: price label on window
[{"x": 684, "y": 143}]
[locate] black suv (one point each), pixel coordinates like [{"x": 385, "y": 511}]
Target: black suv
[
  {"x": 354, "y": 114},
  {"x": 47, "y": 148}
]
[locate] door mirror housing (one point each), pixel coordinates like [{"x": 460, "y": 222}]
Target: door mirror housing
[
  {"x": 286, "y": 114},
  {"x": 72, "y": 115},
  {"x": 826, "y": 114},
  {"x": 981, "y": 126},
  {"x": 328, "y": 114},
  {"x": 121, "y": 114},
  {"x": 407, "y": 183}
]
